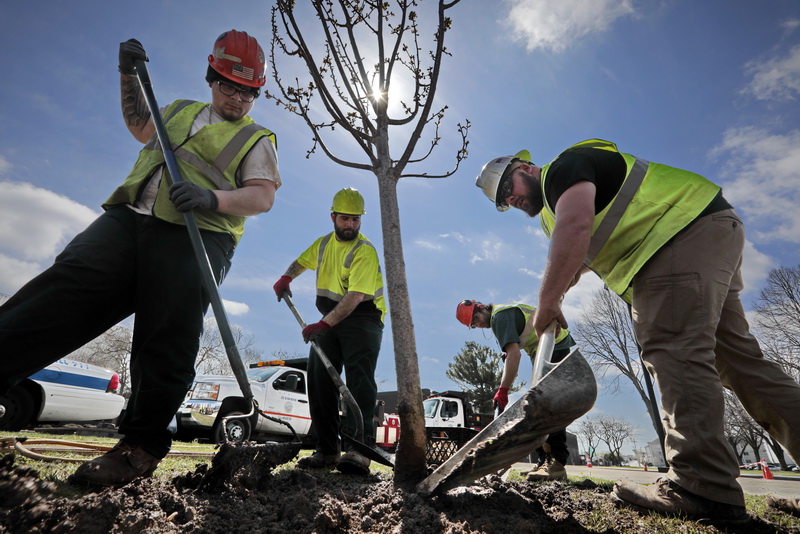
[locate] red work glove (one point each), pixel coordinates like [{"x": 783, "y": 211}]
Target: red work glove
[
  {"x": 282, "y": 285},
  {"x": 313, "y": 331},
  {"x": 501, "y": 397}
]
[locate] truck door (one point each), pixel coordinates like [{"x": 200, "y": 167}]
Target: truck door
[{"x": 287, "y": 399}]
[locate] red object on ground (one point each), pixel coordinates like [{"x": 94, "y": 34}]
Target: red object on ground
[{"x": 765, "y": 470}]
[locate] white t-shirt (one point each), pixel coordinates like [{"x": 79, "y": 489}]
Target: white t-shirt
[{"x": 261, "y": 163}]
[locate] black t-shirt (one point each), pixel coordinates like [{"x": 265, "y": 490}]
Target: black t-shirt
[{"x": 605, "y": 169}]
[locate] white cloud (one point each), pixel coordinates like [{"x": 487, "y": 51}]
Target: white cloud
[
  {"x": 760, "y": 178},
  {"x": 235, "y": 308},
  {"x": 776, "y": 79},
  {"x": 36, "y": 224},
  {"x": 5, "y": 165},
  {"x": 428, "y": 244},
  {"x": 556, "y": 24}
]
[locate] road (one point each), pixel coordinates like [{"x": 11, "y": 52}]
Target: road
[{"x": 755, "y": 484}]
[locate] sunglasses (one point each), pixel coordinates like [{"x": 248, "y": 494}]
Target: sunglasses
[{"x": 247, "y": 95}]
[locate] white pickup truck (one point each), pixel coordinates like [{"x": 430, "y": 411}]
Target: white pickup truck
[{"x": 280, "y": 389}]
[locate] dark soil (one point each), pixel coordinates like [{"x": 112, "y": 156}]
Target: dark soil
[{"x": 296, "y": 501}]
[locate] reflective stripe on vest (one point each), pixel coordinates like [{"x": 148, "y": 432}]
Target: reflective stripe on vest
[
  {"x": 348, "y": 261},
  {"x": 654, "y": 203}
]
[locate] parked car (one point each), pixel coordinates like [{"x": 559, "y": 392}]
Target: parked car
[{"x": 65, "y": 391}]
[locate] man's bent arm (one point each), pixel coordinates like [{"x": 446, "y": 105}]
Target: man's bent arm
[
  {"x": 568, "y": 247},
  {"x": 257, "y": 196},
  {"x": 511, "y": 367},
  {"x": 348, "y": 303},
  {"x": 134, "y": 109}
]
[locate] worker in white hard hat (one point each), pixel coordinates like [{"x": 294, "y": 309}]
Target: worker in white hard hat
[
  {"x": 137, "y": 258},
  {"x": 350, "y": 299},
  {"x": 670, "y": 245},
  {"x": 512, "y": 326}
]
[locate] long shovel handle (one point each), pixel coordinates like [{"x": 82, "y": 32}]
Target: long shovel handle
[
  {"x": 544, "y": 353},
  {"x": 337, "y": 379},
  {"x": 194, "y": 235}
]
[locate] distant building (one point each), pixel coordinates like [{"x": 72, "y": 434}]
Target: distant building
[{"x": 654, "y": 453}]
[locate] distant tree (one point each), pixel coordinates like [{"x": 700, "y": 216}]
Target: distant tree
[
  {"x": 613, "y": 432},
  {"x": 212, "y": 358},
  {"x": 353, "y": 54},
  {"x": 605, "y": 337},
  {"x": 111, "y": 349},
  {"x": 589, "y": 430},
  {"x": 733, "y": 428},
  {"x": 478, "y": 370},
  {"x": 778, "y": 320}
]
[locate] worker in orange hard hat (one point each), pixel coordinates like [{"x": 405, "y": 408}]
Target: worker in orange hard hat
[
  {"x": 512, "y": 326},
  {"x": 137, "y": 258}
]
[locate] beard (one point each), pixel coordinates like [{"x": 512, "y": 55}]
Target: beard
[
  {"x": 534, "y": 202},
  {"x": 345, "y": 234}
]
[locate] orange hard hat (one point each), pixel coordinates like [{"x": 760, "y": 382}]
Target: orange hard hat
[
  {"x": 239, "y": 58},
  {"x": 465, "y": 310}
]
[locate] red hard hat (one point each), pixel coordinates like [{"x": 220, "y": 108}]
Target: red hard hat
[
  {"x": 464, "y": 311},
  {"x": 239, "y": 58}
]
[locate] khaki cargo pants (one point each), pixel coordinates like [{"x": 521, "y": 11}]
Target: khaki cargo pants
[{"x": 695, "y": 339}]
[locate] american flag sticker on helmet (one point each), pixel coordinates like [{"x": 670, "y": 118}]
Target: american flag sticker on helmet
[{"x": 242, "y": 72}]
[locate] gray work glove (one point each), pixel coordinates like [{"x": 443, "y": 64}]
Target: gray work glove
[
  {"x": 129, "y": 51},
  {"x": 187, "y": 196}
]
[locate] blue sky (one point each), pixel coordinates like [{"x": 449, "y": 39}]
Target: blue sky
[{"x": 708, "y": 86}]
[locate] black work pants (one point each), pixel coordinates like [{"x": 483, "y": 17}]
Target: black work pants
[
  {"x": 558, "y": 440},
  {"x": 353, "y": 344},
  {"x": 124, "y": 263}
]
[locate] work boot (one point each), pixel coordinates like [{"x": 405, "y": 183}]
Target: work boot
[
  {"x": 318, "y": 460},
  {"x": 668, "y": 498},
  {"x": 550, "y": 469},
  {"x": 122, "y": 464},
  {"x": 354, "y": 463},
  {"x": 782, "y": 504}
]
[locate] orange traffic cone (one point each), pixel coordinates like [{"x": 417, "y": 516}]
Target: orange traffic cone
[
  {"x": 645, "y": 468},
  {"x": 765, "y": 472},
  {"x": 588, "y": 461}
]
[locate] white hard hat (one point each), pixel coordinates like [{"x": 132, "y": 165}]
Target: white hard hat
[{"x": 492, "y": 174}]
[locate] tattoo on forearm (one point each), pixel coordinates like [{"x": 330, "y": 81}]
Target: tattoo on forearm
[
  {"x": 134, "y": 108},
  {"x": 294, "y": 269}
]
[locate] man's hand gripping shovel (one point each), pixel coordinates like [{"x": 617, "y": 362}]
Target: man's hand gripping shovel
[
  {"x": 559, "y": 394},
  {"x": 256, "y": 460},
  {"x": 357, "y": 441}
]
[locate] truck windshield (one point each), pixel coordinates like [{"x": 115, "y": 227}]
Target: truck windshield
[
  {"x": 262, "y": 374},
  {"x": 431, "y": 407}
]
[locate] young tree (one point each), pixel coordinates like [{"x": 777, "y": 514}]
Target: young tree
[
  {"x": 605, "y": 336},
  {"x": 212, "y": 358},
  {"x": 478, "y": 370},
  {"x": 367, "y": 46}
]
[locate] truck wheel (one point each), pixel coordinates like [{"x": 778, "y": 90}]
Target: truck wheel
[
  {"x": 236, "y": 430},
  {"x": 19, "y": 409}
]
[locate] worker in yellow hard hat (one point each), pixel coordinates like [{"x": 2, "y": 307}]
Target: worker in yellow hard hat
[{"x": 350, "y": 299}]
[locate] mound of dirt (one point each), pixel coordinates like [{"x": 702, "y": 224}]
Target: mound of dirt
[{"x": 297, "y": 501}]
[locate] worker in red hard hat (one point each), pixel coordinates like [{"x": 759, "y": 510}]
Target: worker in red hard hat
[
  {"x": 512, "y": 326},
  {"x": 137, "y": 258}
]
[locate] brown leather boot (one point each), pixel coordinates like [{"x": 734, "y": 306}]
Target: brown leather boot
[{"x": 124, "y": 463}]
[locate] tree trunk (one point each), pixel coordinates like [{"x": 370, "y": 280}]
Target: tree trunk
[{"x": 410, "y": 459}]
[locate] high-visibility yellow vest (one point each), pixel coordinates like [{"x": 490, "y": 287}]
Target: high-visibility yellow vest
[
  {"x": 344, "y": 266},
  {"x": 209, "y": 159},
  {"x": 654, "y": 203},
  {"x": 528, "y": 338}
]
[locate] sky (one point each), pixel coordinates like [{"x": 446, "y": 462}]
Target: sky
[{"x": 709, "y": 86}]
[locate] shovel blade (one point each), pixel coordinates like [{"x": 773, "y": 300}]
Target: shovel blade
[{"x": 566, "y": 393}]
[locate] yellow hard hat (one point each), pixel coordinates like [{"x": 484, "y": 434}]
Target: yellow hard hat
[{"x": 348, "y": 201}]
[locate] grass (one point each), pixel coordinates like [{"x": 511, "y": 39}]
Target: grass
[{"x": 602, "y": 517}]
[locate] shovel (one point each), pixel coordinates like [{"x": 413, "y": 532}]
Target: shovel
[
  {"x": 559, "y": 394},
  {"x": 356, "y": 441},
  {"x": 267, "y": 455}
]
